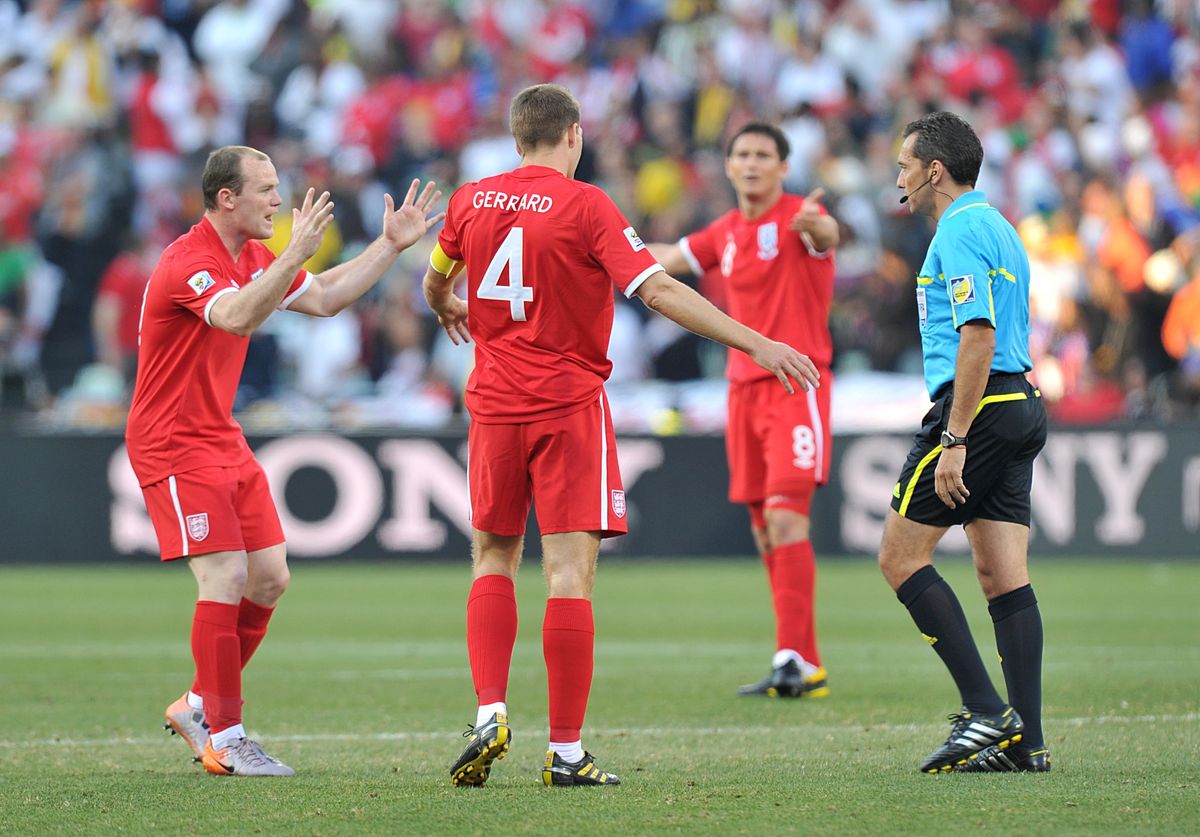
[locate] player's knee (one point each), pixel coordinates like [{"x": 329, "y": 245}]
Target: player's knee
[
  {"x": 268, "y": 588},
  {"x": 997, "y": 580},
  {"x": 786, "y": 518},
  {"x": 569, "y": 580},
  {"x": 895, "y": 564},
  {"x": 277, "y": 584},
  {"x": 226, "y": 583}
]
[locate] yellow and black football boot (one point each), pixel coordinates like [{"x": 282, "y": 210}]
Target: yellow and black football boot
[
  {"x": 971, "y": 733},
  {"x": 1014, "y": 759},
  {"x": 485, "y": 744},
  {"x": 559, "y": 773},
  {"x": 788, "y": 681}
]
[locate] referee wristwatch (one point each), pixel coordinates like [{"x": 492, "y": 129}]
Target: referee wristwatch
[{"x": 949, "y": 440}]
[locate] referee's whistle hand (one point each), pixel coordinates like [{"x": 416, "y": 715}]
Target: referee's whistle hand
[{"x": 948, "y": 477}]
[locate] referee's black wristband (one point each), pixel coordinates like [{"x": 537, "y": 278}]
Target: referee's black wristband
[{"x": 949, "y": 440}]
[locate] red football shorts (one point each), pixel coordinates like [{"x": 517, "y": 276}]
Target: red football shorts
[
  {"x": 569, "y": 464},
  {"x": 213, "y": 510},
  {"x": 778, "y": 444}
]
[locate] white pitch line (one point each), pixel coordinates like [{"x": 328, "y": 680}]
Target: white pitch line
[{"x": 1189, "y": 717}]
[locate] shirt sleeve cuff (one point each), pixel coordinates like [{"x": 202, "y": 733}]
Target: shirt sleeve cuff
[
  {"x": 299, "y": 292},
  {"x": 215, "y": 297},
  {"x": 812, "y": 248},
  {"x": 690, "y": 257},
  {"x": 640, "y": 278}
]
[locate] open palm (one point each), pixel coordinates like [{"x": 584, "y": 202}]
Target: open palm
[{"x": 404, "y": 225}]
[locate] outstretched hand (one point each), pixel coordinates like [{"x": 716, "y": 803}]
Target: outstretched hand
[
  {"x": 810, "y": 211},
  {"x": 403, "y": 226},
  {"x": 309, "y": 221},
  {"x": 788, "y": 365}
]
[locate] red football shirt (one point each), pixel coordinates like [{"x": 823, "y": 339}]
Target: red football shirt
[
  {"x": 188, "y": 370},
  {"x": 777, "y": 284},
  {"x": 542, "y": 252}
]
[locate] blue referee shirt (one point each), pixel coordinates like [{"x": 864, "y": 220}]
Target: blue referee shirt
[{"x": 976, "y": 269}]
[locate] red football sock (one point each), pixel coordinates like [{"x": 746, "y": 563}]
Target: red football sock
[
  {"x": 793, "y": 579},
  {"x": 568, "y": 644},
  {"x": 491, "y": 634},
  {"x": 218, "y": 655},
  {"x": 252, "y": 626},
  {"x": 768, "y": 559}
]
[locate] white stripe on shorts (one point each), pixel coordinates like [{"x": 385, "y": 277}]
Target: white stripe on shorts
[
  {"x": 178, "y": 513},
  {"x": 603, "y": 467},
  {"x": 470, "y": 508},
  {"x": 814, "y": 415}
]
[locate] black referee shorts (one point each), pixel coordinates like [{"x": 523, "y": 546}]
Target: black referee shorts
[{"x": 1008, "y": 432}]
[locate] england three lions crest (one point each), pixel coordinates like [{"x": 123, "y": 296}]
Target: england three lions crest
[
  {"x": 197, "y": 526},
  {"x": 768, "y": 241},
  {"x": 618, "y": 503}
]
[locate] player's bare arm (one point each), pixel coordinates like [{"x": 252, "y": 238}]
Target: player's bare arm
[
  {"x": 671, "y": 257},
  {"x": 977, "y": 344},
  {"x": 403, "y": 226},
  {"x": 676, "y": 301},
  {"x": 822, "y": 230},
  {"x": 242, "y": 312},
  {"x": 450, "y": 308}
]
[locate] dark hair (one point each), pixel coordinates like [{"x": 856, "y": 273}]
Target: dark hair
[
  {"x": 539, "y": 115},
  {"x": 781, "y": 142},
  {"x": 223, "y": 170},
  {"x": 947, "y": 137}
]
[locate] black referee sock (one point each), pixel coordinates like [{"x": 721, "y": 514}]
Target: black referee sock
[
  {"x": 1018, "y": 624},
  {"x": 938, "y": 615}
]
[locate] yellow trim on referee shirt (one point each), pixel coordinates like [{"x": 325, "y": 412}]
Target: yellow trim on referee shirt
[
  {"x": 991, "y": 301},
  {"x": 929, "y": 457},
  {"x": 924, "y": 280},
  {"x": 1002, "y": 272},
  {"x": 968, "y": 206},
  {"x": 440, "y": 262}
]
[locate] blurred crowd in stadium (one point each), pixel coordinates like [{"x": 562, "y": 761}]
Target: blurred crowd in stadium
[{"x": 1089, "y": 113}]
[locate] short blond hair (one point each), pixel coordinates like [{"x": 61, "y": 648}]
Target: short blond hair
[
  {"x": 541, "y": 114},
  {"x": 223, "y": 170}
]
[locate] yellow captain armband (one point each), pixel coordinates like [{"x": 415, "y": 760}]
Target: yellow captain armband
[{"x": 442, "y": 263}]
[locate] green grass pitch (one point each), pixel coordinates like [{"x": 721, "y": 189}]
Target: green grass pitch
[{"x": 363, "y": 687}]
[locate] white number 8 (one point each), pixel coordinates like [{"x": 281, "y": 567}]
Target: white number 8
[
  {"x": 804, "y": 447},
  {"x": 511, "y": 253}
]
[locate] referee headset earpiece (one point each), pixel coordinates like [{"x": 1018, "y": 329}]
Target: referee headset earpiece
[
  {"x": 932, "y": 175},
  {"x": 908, "y": 196}
]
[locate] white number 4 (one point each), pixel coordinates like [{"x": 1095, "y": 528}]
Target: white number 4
[{"x": 511, "y": 253}]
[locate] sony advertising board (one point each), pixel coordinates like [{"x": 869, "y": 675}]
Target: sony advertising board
[{"x": 1119, "y": 491}]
